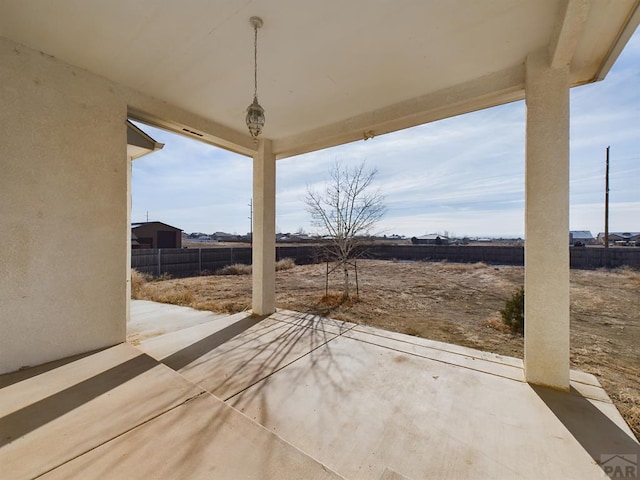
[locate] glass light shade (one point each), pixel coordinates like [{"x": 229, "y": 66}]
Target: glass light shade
[{"x": 255, "y": 118}]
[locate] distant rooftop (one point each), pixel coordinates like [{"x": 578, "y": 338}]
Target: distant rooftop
[{"x": 140, "y": 224}]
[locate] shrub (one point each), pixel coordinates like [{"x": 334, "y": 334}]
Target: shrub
[
  {"x": 235, "y": 269},
  {"x": 241, "y": 269},
  {"x": 513, "y": 312},
  {"x": 285, "y": 264}
]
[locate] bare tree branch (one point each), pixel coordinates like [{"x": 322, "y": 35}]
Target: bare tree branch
[{"x": 348, "y": 210}]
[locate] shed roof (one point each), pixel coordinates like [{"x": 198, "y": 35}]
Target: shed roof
[
  {"x": 581, "y": 234},
  {"x": 142, "y": 224},
  {"x": 621, "y": 234},
  {"x": 432, "y": 236}
]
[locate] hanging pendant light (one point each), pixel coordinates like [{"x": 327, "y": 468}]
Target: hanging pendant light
[{"x": 255, "y": 113}]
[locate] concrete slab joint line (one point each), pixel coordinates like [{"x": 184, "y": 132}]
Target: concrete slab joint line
[
  {"x": 371, "y": 411},
  {"x": 124, "y": 432},
  {"x": 107, "y": 414},
  {"x": 389, "y": 474}
]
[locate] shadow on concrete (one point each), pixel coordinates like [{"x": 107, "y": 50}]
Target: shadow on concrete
[
  {"x": 9, "y": 379},
  {"x": 245, "y": 355},
  {"x": 41, "y": 412},
  {"x": 298, "y": 337},
  {"x": 597, "y": 434},
  {"x": 189, "y": 354},
  {"x": 250, "y": 354},
  {"x": 46, "y": 410}
]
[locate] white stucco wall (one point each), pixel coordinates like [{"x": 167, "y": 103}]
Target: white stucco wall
[{"x": 63, "y": 210}]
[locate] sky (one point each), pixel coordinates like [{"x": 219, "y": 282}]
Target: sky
[{"x": 463, "y": 176}]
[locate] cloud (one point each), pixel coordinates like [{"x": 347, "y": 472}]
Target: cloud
[
  {"x": 191, "y": 185},
  {"x": 463, "y": 174}
]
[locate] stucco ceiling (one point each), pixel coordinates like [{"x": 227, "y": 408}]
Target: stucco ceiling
[{"x": 329, "y": 70}]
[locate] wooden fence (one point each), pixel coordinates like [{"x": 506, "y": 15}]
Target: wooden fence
[{"x": 196, "y": 261}]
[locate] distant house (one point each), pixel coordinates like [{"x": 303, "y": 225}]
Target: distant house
[
  {"x": 156, "y": 235},
  {"x": 581, "y": 238},
  {"x": 621, "y": 238},
  {"x": 224, "y": 237},
  {"x": 293, "y": 237},
  {"x": 431, "y": 239},
  {"x": 206, "y": 239}
]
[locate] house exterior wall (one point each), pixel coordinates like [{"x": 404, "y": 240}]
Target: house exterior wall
[
  {"x": 65, "y": 182},
  {"x": 63, "y": 210}
]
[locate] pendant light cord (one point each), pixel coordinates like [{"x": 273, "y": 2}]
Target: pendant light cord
[{"x": 255, "y": 61}]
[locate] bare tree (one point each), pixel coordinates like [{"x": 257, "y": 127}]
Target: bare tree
[{"x": 346, "y": 212}]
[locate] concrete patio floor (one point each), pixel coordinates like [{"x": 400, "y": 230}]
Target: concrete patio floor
[{"x": 298, "y": 396}]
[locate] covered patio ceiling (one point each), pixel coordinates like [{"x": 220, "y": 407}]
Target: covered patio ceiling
[{"x": 330, "y": 72}]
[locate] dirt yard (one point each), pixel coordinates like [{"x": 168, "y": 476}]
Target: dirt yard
[{"x": 450, "y": 302}]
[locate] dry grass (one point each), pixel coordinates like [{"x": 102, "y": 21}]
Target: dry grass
[
  {"x": 138, "y": 281},
  {"x": 209, "y": 294},
  {"x": 145, "y": 287},
  {"x": 498, "y": 324},
  {"x": 183, "y": 297},
  {"x": 455, "y": 303},
  {"x": 335, "y": 300},
  {"x": 235, "y": 269},
  {"x": 221, "y": 306},
  {"x": 461, "y": 267}
]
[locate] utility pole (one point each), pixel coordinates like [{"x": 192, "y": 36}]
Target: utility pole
[
  {"x": 606, "y": 203},
  {"x": 251, "y": 221},
  {"x": 147, "y": 216}
]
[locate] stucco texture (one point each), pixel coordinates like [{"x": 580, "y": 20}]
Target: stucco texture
[
  {"x": 63, "y": 209},
  {"x": 547, "y": 225}
]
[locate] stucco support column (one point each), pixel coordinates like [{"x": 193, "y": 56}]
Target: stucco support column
[
  {"x": 546, "y": 338},
  {"x": 264, "y": 230}
]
